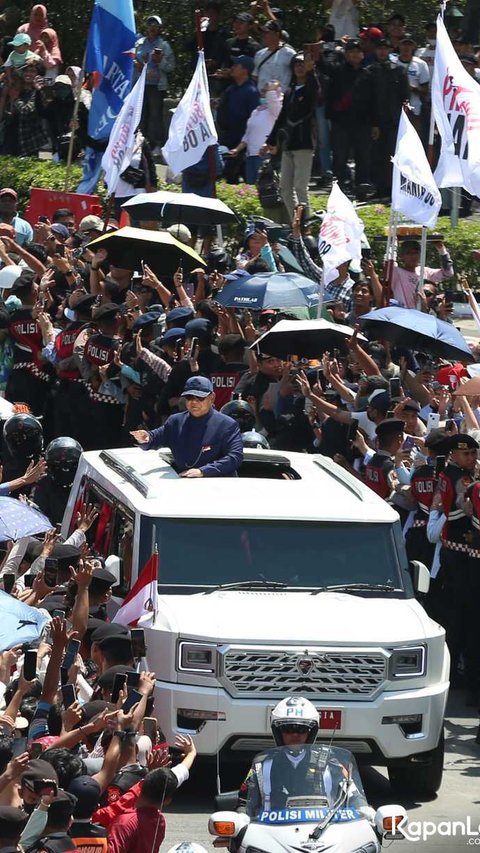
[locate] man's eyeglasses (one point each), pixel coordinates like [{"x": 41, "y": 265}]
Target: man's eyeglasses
[{"x": 190, "y": 397}]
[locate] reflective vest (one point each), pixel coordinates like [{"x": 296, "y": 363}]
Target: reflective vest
[
  {"x": 376, "y": 474},
  {"x": 423, "y": 485},
  {"x": 452, "y": 483}
]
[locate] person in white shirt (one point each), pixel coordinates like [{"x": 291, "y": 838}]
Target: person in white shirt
[
  {"x": 273, "y": 62},
  {"x": 418, "y": 76},
  {"x": 259, "y": 126},
  {"x": 427, "y": 53},
  {"x": 344, "y": 17}
]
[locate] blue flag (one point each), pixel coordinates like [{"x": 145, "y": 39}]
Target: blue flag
[
  {"x": 110, "y": 50},
  {"x": 19, "y": 623}
]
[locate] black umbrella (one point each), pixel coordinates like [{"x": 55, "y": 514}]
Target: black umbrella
[
  {"x": 129, "y": 247},
  {"x": 305, "y": 338},
  {"x": 186, "y": 208},
  {"x": 415, "y": 330}
]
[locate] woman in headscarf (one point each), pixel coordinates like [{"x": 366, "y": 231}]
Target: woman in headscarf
[
  {"x": 48, "y": 51},
  {"x": 36, "y": 25}
]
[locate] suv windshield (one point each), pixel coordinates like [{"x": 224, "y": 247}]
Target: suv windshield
[
  {"x": 298, "y": 784},
  {"x": 210, "y": 552}
]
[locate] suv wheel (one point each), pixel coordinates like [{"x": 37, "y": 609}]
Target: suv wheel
[{"x": 420, "y": 779}]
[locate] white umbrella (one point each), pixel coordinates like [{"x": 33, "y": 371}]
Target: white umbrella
[{"x": 185, "y": 208}]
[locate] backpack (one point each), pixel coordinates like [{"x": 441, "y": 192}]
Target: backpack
[{"x": 268, "y": 185}]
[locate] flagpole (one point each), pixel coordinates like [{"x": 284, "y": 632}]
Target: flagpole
[
  {"x": 423, "y": 258},
  {"x": 211, "y": 148},
  {"x": 390, "y": 254},
  {"x": 68, "y": 168}
]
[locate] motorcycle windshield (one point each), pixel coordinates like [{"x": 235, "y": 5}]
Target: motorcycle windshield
[{"x": 299, "y": 784}]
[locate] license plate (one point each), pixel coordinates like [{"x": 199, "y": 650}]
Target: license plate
[{"x": 330, "y": 720}]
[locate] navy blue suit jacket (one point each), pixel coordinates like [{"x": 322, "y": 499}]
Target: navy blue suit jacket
[{"x": 212, "y": 443}]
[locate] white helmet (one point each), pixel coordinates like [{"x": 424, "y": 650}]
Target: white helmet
[
  {"x": 294, "y": 711},
  {"x": 8, "y": 275},
  {"x": 187, "y": 847}
]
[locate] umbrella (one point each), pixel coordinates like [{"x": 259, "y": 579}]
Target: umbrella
[
  {"x": 306, "y": 338},
  {"x": 187, "y": 208},
  {"x": 269, "y": 290},
  {"x": 18, "y": 520},
  {"x": 20, "y": 623},
  {"x": 409, "y": 328},
  {"x": 128, "y": 247}
]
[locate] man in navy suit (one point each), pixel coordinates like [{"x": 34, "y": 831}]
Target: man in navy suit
[{"x": 204, "y": 442}]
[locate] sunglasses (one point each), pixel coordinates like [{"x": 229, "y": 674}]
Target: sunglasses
[
  {"x": 190, "y": 397},
  {"x": 294, "y": 729}
]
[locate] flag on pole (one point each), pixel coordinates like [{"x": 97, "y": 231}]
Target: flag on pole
[
  {"x": 456, "y": 107},
  {"x": 341, "y": 233},
  {"x": 414, "y": 191},
  {"x": 192, "y": 129},
  {"x": 143, "y": 596},
  {"x": 122, "y": 138},
  {"x": 111, "y": 39}
]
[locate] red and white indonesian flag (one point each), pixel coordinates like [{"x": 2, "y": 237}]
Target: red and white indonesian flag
[
  {"x": 340, "y": 237},
  {"x": 456, "y": 107},
  {"x": 414, "y": 191},
  {"x": 122, "y": 138},
  {"x": 192, "y": 129},
  {"x": 143, "y": 596}
]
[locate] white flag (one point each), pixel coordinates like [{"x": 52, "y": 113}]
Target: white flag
[
  {"x": 456, "y": 107},
  {"x": 192, "y": 129},
  {"x": 122, "y": 138},
  {"x": 340, "y": 237},
  {"x": 414, "y": 191}
]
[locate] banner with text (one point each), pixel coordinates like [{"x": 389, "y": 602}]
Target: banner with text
[
  {"x": 414, "y": 191},
  {"x": 192, "y": 129}
]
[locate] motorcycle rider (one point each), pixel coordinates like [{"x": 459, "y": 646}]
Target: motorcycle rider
[
  {"x": 278, "y": 775},
  {"x": 51, "y": 495},
  {"x": 22, "y": 444}
]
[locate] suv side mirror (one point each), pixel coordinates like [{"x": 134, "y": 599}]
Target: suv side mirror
[{"x": 420, "y": 576}]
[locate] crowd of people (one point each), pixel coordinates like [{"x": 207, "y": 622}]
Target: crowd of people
[{"x": 94, "y": 355}]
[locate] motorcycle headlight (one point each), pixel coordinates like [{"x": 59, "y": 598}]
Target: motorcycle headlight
[
  {"x": 408, "y": 662},
  {"x": 197, "y": 657}
]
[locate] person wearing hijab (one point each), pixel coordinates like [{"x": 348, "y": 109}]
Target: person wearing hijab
[
  {"x": 48, "y": 50},
  {"x": 37, "y": 23}
]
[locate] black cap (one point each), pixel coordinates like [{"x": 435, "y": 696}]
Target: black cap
[
  {"x": 246, "y": 17},
  {"x": 106, "y": 679},
  {"x": 469, "y": 58},
  {"x": 41, "y": 770},
  {"x": 84, "y": 303},
  {"x": 391, "y": 426},
  {"x": 463, "y": 441},
  {"x": 102, "y": 574},
  {"x": 108, "y": 629},
  {"x": 87, "y": 792},
  {"x": 272, "y": 27},
  {"x": 93, "y": 709},
  {"x": 353, "y": 44},
  {"x": 231, "y": 341},
  {"x": 412, "y": 406},
  {"x": 118, "y": 643},
  {"x": 109, "y": 309},
  {"x": 55, "y": 602},
  {"x": 438, "y": 441},
  {"x": 147, "y": 319},
  {"x": 12, "y": 821},
  {"x": 23, "y": 282}
]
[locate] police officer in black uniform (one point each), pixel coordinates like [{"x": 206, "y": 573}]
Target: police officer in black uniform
[
  {"x": 456, "y": 541},
  {"x": 102, "y": 426},
  {"x": 423, "y": 483},
  {"x": 140, "y": 409},
  {"x": 70, "y": 400},
  {"x": 380, "y": 473},
  {"x": 226, "y": 376},
  {"x": 12, "y": 823},
  {"x": 55, "y": 838},
  {"x": 31, "y": 376}
]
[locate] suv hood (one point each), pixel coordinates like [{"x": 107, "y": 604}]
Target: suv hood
[{"x": 295, "y": 617}]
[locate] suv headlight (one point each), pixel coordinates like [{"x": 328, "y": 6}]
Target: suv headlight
[
  {"x": 408, "y": 662},
  {"x": 197, "y": 657}
]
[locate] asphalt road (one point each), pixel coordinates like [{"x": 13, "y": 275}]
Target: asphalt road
[{"x": 459, "y": 796}]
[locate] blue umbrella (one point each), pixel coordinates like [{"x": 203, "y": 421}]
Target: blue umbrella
[
  {"x": 18, "y": 519},
  {"x": 415, "y": 330},
  {"x": 20, "y": 623},
  {"x": 269, "y": 290}
]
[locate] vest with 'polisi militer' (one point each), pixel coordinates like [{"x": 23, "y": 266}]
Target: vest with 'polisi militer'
[
  {"x": 423, "y": 485},
  {"x": 28, "y": 341},
  {"x": 377, "y": 474},
  {"x": 452, "y": 483},
  {"x": 64, "y": 343}
]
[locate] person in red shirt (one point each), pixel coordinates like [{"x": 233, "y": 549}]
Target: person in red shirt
[{"x": 142, "y": 829}]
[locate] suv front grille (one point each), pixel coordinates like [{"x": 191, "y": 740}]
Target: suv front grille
[{"x": 335, "y": 674}]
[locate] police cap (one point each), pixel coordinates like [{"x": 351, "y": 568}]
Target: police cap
[
  {"x": 12, "y": 821},
  {"x": 106, "y": 679},
  {"x": 438, "y": 441},
  {"x": 390, "y": 427},
  {"x": 107, "y": 630},
  {"x": 179, "y": 316},
  {"x": 463, "y": 441},
  {"x": 145, "y": 320},
  {"x": 105, "y": 311}
]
